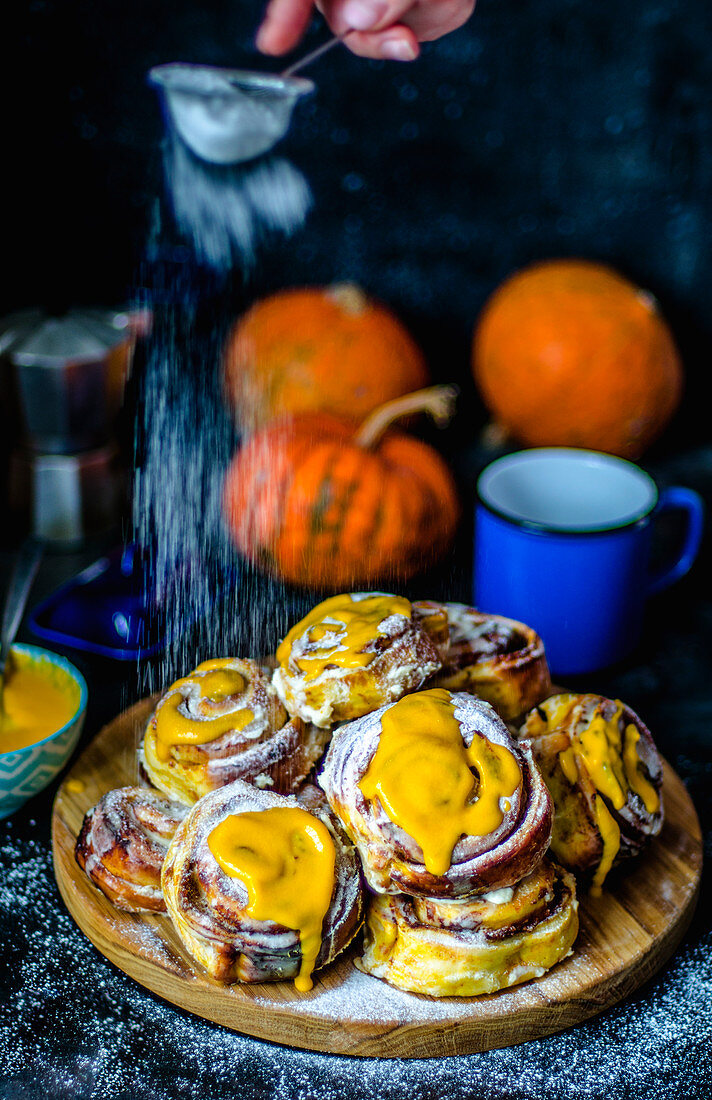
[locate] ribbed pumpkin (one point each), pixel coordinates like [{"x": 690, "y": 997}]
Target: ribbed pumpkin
[
  {"x": 569, "y": 353},
  {"x": 328, "y": 348},
  {"x": 318, "y": 501}
]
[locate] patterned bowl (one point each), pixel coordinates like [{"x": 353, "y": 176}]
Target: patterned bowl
[{"x": 27, "y": 771}]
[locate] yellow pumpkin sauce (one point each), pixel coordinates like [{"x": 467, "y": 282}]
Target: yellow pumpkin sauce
[
  {"x": 285, "y": 857},
  {"x": 637, "y": 781},
  {"x": 345, "y": 626},
  {"x": 609, "y": 755},
  {"x": 215, "y": 663},
  {"x": 568, "y": 765},
  {"x": 38, "y": 700},
  {"x": 217, "y": 684},
  {"x": 422, "y": 775},
  {"x": 611, "y": 837}
]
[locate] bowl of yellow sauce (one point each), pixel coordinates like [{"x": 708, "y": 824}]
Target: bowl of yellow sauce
[{"x": 44, "y": 704}]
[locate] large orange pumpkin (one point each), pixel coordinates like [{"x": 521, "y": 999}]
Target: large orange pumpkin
[
  {"x": 569, "y": 353},
  {"x": 318, "y": 501},
  {"x": 319, "y": 348}
]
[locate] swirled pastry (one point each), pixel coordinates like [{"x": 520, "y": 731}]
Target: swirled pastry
[
  {"x": 224, "y": 722},
  {"x": 605, "y": 776},
  {"x": 351, "y": 654},
  {"x": 465, "y": 948},
  {"x": 434, "y": 619},
  {"x": 123, "y": 842},
  {"x": 437, "y": 796},
  {"x": 262, "y": 887},
  {"x": 499, "y": 660}
]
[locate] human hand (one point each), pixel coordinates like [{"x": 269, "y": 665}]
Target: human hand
[{"x": 388, "y": 29}]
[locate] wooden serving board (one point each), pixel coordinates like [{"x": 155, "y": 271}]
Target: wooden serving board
[{"x": 626, "y": 935}]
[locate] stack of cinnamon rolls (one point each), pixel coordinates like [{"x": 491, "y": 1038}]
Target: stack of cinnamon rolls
[{"x": 405, "y": 767}]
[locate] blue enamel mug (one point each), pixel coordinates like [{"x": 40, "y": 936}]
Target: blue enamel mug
[{"x": 563, "y": 543}]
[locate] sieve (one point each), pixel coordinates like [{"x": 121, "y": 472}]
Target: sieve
[{"x": 226, "y": 116}]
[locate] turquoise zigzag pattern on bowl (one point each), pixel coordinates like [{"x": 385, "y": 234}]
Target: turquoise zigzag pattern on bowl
[{"x": 27, "y": 771}]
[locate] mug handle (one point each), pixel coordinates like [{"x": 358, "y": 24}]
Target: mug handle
[{"x": 673, "y": 499}]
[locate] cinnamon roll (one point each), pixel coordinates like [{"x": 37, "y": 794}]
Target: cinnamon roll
[
  {"x": 438, "y": 797},
  {"x": 123, "y": 842},
  {"x": 499, "y": 660},
  {"x": 224, "y": 722},
  {"x": 434, "y": 619},
  {"x": 351, "y": 654},
  {"x": 261, "y": 886},
  {"x": 466, "y": 948},
  {"x": 605, "y": 776}
]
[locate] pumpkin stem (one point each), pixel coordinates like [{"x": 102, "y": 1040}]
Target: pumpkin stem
[{"x": 437, "y": 401}]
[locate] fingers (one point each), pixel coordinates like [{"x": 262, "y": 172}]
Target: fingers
[
  {"x": 375, "y": 27},
  {"x": 283, "y": 26},
  {"x": 364, "y": 15},
  {"x": 395, "y": 44},
  {"x": 431, "y": 20},
  {"x": 428, "y": 19},
  {"x": 388, "y": 29}
]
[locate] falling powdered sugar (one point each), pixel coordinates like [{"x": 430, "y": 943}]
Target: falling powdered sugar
[
  {"x": 227, "y": 211},
  {"x": 211, "y": 601}
]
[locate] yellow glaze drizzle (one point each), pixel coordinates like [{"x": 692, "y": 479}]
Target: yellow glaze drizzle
[
  {"x": 286, "y": 858},
  {"x": 611, "y": 837},
  {"x": 345, "y": 626},
  {"x": 213, "y": 663},
  {"x": 610, "y": 757},
  {"x": 599, "y": 746},
  {"x": 568, "y": 765},
  {"x": 37, "y": 702},
  {"x": 217, "y": 683},
  {"x": 422, "y": 774},
  {"x": 637, "y": 781}
]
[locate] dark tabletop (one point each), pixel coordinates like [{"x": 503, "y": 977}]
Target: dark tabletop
[{"x": 71, "y": 1025}]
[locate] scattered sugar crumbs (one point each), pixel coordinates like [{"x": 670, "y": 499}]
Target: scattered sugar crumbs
[{"x": 73, "y": 1026}]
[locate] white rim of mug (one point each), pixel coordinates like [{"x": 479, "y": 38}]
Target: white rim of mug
[{"x": 553, "y": 529}]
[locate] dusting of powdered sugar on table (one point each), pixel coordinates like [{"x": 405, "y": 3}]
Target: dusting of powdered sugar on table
[{"x": 71, "y": 1025}]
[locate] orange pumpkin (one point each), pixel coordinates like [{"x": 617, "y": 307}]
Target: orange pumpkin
[
  {"x": 569, "y": 353},
  {"x": 318, "y": 348},
  {"x": 318, "y": 501}
]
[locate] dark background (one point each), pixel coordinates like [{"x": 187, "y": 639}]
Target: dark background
[{"x": 544, "y": 129}]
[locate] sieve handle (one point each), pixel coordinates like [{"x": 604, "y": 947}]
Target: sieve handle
[{"x": 308, "y": 58}]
